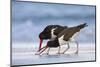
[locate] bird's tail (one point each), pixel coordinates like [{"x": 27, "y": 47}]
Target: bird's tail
[{"x": 82, "y": 25}]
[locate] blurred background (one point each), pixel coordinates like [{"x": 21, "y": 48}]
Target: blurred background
[{"x": 30, "y": 18}]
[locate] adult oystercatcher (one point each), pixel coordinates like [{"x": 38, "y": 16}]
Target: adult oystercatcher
[
  {"x": 64, "y": 37},
  {"x": 50, "y": 32}
]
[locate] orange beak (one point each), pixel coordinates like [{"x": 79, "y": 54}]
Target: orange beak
[{"x": 41, "y": 40}]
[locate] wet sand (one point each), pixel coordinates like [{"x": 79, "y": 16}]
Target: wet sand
[{"x": 24, "y": 56}]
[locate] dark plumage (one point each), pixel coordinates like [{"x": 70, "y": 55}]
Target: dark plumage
[
  {"x": 53, "y": 43},
  {"x": 46, "y": 33},
  {"x": 69, "y": 32},
  {"x": 64, "y": 37},
  {"x": 50, "y": 32}
]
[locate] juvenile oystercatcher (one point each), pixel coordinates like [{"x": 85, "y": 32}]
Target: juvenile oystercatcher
[
  {"x": 50, "y": 32},
  {"x": 50, "y": 44},
  {"x": 64, "y": 37}
]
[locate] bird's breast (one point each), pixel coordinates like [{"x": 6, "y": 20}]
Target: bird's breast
[{"x": 62, "y": 41}]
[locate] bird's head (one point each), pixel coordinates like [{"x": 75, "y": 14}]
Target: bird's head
[{"x": 45, "y": 34}]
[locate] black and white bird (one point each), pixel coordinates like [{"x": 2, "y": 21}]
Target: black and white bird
[
  {"x": 50, "y": 32},
  {"x": 64, "y": 37}
]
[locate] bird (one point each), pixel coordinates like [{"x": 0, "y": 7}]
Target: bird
[
  {"x": 64, "y": 37},
  {"x": 50, "y": 44},
  {"x": 50, "y": 32}
]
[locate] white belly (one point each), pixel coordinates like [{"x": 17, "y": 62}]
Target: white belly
[
  {"x": 74, "y": 35},
  {"x": 61, "y": 41}
]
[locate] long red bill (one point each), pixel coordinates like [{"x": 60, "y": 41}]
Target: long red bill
[{"x": 41, "y": 40}]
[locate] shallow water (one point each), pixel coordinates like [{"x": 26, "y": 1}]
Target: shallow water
[
  {"x": 43, "y": 59},
  {"x": 26, "y": 55}
]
